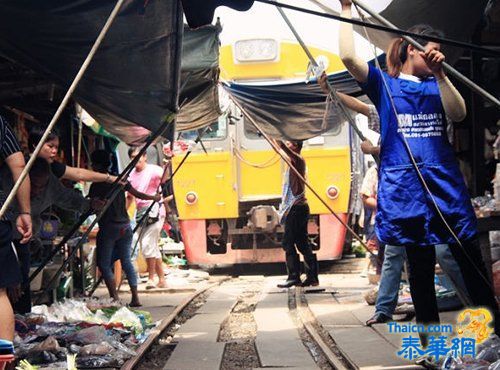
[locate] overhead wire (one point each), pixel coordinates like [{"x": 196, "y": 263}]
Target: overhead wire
[{"x": 441, "y": 40}]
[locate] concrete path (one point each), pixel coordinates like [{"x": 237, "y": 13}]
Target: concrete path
[
  {"x": 343, "y": 316},
  {"x": 197, "y": 346},
  {"x": 278, "y": 342}
]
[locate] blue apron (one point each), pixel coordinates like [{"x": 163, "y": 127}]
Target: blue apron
[{"x": 406, "y": 214}]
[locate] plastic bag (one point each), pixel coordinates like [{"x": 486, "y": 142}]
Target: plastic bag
[
  {"x": 489, "y": 354},
  {"x": 68, "y": 311},
  {"x": 473, "y": 364},
  {"x": 53, "y": 329},
  {"x": 50, "y": 344},
  {"x": 99, "y": 317},
  {"x": 124, "y": 351},
  {"x": 97, "y": 362},
  {"x": 491, "y": 341},
  {"x": 128, "y": 319},
  {"x": 495, "y": 366},
  {"x": 99, "y": 349},
  {"x": 94, "y": 334},
  {"x": 46, "y": 357}
]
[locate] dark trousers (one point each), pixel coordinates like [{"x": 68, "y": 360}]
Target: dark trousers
[
  {"x": 421, "y": 261},
  {"x": 296, "y": 232},
  {"x": 23, "y": 305}
]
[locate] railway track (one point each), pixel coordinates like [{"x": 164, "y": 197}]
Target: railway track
[{"x": 241, "y": 323}]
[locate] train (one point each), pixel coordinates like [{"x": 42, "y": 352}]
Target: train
[{"x": 229, "y": 188}]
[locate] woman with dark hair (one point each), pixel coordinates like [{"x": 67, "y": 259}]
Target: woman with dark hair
[
  {"x": 62, "y": 171},
  {"x": 46, "y": 190},
  {"x": 114, "y": 239},
  {"x": 413, "y": 100}
]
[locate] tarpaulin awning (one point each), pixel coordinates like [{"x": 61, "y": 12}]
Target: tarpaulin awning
[
  {"x": 133, "y": 81},
  {"x": 201, "y": 12},
  {"x": 292, "y": 111},
  {"x": 199, "y": 99}
]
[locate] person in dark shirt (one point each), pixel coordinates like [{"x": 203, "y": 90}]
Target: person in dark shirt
[
  {"x": 294, "y": 214},
  {"x": 114, "y": 239},
  {"x": 46, "y": 190},
  {"x": 49, "y": 152},
  {"x": 10, "y": 274}
]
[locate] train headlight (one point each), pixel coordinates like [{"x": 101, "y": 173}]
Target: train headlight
[
  {"x": 332, "y": 192},
  {"x": 256, "y": 50},
  {"x": 191, "y": 198}
]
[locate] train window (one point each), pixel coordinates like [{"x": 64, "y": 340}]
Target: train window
[{"x": 217, "y": 131}]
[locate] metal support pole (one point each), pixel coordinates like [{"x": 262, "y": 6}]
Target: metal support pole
[
  {"x": 478, "y": 127},
  {"x": 63, "y": 104},
  {"x": 333, "y": 93}
]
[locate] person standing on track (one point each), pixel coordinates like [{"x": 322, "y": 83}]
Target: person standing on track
[{"x": 294, "y": 214}]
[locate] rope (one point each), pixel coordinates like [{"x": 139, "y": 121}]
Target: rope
[
  {"x": 332, "y": 92},
  {"x": 270, "y": 162},
  {"x": 299, "y": 175},
  {"x": 415, "y": 165},
  {"x": 441, "y": 40},
  {"x": 61, "y": 107}
]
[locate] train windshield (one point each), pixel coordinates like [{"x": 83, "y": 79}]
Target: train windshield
[{"x": 216, "y": 131}]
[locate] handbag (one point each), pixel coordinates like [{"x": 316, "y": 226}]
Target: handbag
[
  {"x": 154, "y": 214},
  {"x": 152, "y": 217},
  {"x": 49, "y": 225}
]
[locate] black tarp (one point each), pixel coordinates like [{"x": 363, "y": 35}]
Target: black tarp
[
  {"x": 133, "y": 80},
  {"x": 201, "y": 12},
  {"x": 199, "y": 97},
  {"x": 292, "y": 111}
]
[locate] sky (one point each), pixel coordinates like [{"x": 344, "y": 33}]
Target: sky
[{"x": 263, "y": 20}]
